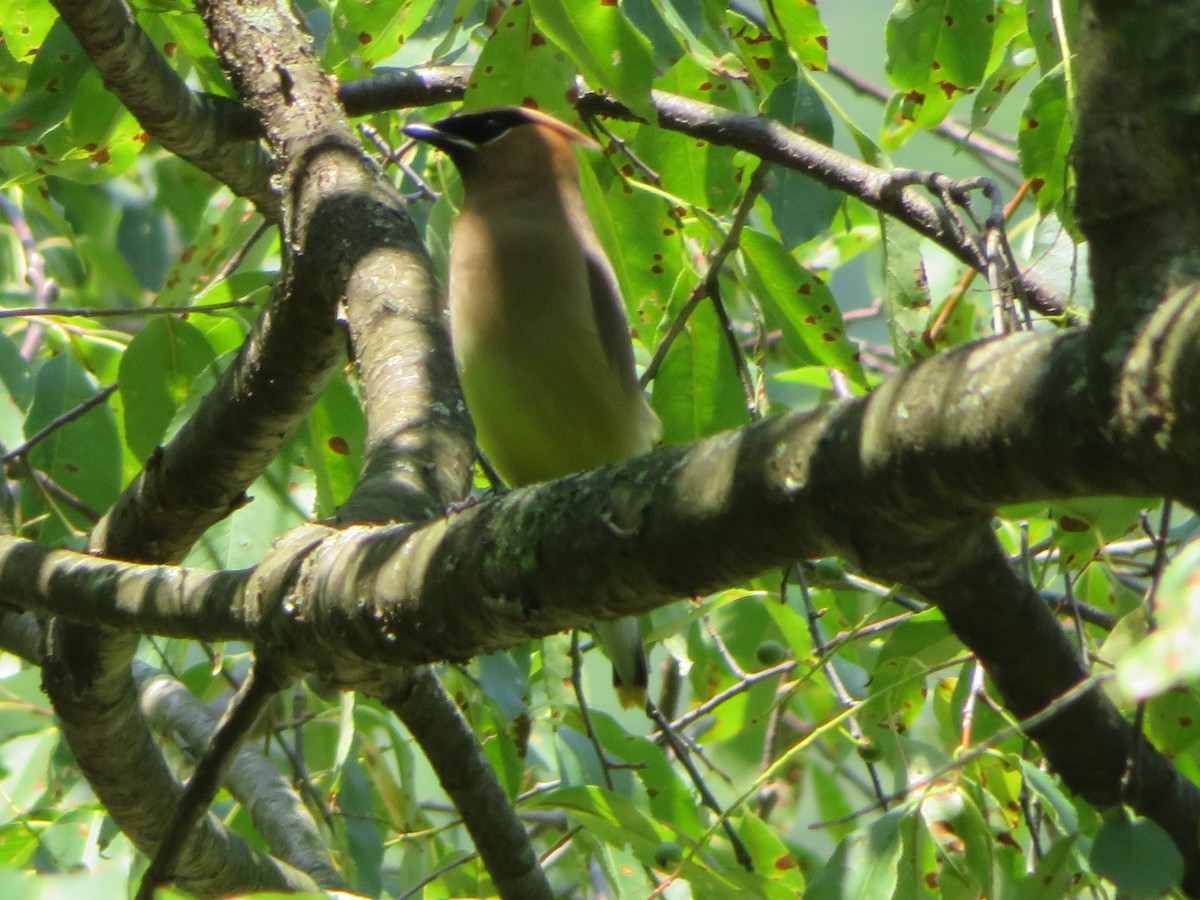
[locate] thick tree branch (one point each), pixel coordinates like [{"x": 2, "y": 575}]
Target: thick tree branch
[
  {"x": 203, "y": 474},
  {"x": 771, "y": 141},
  {"x": 902, "y": 482},
  {"x": 920, "y": 455},
  {"x": 272, "y": 804},
  {"x": 1139, "y": 188},
  {"x": 186, "y": 123},
  {"x": 896, "y": 481},
  {"x": 465, "y": 774}
]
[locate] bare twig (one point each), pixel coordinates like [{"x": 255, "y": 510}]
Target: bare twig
[
  {"x": 706, "y": 796},
  {"x": 132, "y": 312},
  {"x": 706, "y": 286},
  {"x": 243, "y": 711},
  {"x": 65, "y": 419},
  {"x": 45, "y": 289},
  {"x": 812, "y": 617},
  {"x": 962, "y": 760},
  {"x": 230, "y": 266},
  {"x": 584, "y": 711}
]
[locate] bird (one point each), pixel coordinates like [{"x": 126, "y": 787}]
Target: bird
[{"x": 537, "y": 322}]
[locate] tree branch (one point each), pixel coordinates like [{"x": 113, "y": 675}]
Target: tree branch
[{"x": 186, "y": 123}]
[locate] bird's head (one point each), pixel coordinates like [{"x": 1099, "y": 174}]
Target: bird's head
[{"x": 504, "y": 141}]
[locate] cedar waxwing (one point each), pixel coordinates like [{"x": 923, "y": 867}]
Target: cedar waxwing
[{"x": 538, "y": 326}]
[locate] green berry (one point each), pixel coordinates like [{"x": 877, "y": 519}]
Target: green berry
[
  {"x": 770, "y": 653},
  {"x": 668, "y": 855},
  {"x": 829, "y": 569},
  {"x": 869, "y": 750}
]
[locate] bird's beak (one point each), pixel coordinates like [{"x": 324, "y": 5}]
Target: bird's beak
[{"x": 431, "y": 134}]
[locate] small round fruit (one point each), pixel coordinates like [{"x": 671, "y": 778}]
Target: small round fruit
[
  {"x": 869, "y": 750},
  {"x": 829, "y": 569},
  {"x": 668, "y": 855},
  {"x": 770, "y": 653}
]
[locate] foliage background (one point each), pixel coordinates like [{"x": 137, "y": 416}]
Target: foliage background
[{"x": 809, "y": 694}]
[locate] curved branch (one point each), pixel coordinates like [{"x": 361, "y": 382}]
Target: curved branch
[
  {"x": 463, "y": 771},
  {"x": 764, "y": 138},
  {"x": 186, "y": 123},
  {"x": 902, "y": 482},
  {"x": 771, "y": 141},
  {"x": 272, "y": 804}
]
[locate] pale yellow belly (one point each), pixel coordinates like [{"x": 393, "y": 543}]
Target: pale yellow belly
[{"x": 542, "y": 411}]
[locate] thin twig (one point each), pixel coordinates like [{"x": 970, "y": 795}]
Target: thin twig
[
  {"x": 812, "y": 617},
  {"x": 418, "y": 888},
  {"x": 594, "y": 124},
  {"x": 1054, "y": 707},
  {"x": 735, "y": 349},
  {"x": 65, "y": 419},
  {"x": 243, "y": 711},
  {"x": 45, "y": 289},
  {"x": 133, "y": 312},
  {"x": 584, "y": 712},
  {"x": 231, "y": 265},
  {"x": 706, "y": 796},
  {"x": 396, "y": 157},
  {"x": 705, "y": 286},
  {"x": 970, "y": 274},
  {"x": 1131, "y": 782},
  {"x": 53, "y": 489}
]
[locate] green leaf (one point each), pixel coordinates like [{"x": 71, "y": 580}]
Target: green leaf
[
  {"x": 1050, "y": 793},
  {"x": 937, "y": 52},
  {"x": 1057, "y": 257},
  {"x": 906, "y": 298},
  {"x": 283, "y": 497},
  {"x": 800, "y": 304},
  {"x": 765, "y": 57},
  {"x": 803, "y": 31},
  {"x": 49, "y": 94},
  {"x": 1044, "y": 143},
  {"x": 1173, "y": 720},
  {"x": 371, "y": 31},
  {"x": 23, "y": 779},
  {"x": 619, "y": 822},
  {"x": 651, "y": 20},
  {"x": 1012, "y": 59},
  {"x": 958, "y": 828},
  {"x": 336, "y": 434},
  {"x": 501, "y": 750},
  {"x": 770, "y": 855},
  {"x": 609, "y": 52},
  {"x": 17, "y": 387},
  {"x": 1086, "y": 524},
  {"x": 700, "y": 174},
  {"x": 1137, "y": 856},
  {"x": 801, "y": 207},
  {"x": 696, "y": 390},
  {"x": 157, "y": 371},
  {"x": 506, "y": 683},
  {"x": 1054, "y": 876},
  {"x": 863, "y": 865},
  {"x": 25, "y": 26},
  {"x": 519, "y": 67},
  {"x": 82, "y": 456},
  {"x": 364, "y": 836},
  {"x": 642, "y": 242},
  {"x": 671, "y": 799},
  {"x": 1167, "y": 657},
  {"x": 1045, "y": 32}
]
